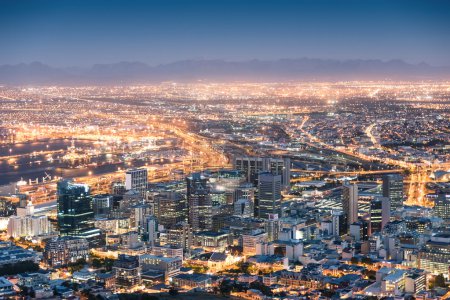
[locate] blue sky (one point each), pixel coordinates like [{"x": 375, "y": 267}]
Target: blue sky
[{"x": 82, "y": 33}]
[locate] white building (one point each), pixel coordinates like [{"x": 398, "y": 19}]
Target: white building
[
  {"x": 136, "y": 179},
  {"x": 249, "y": 242},
  {"x": 26, "y": 224}
]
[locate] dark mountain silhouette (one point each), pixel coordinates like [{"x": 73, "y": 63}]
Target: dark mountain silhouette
[{"x": 219, "y": 70}]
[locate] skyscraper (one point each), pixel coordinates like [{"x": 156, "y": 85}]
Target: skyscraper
[
  {"x": 376, "y": 215},
  {"x": 102, "y": 204},
  {"x": 350, "y": 202},
  {"x": 281, "y": 167},
  {"x": 199, "y": 203},
  {"x": 339, "y": 226},
  {"x": 380, "y": 214},
  {"x": 272, "y": 227},
  {"x": 269, "y": 195},
  {"x": 252, "y": 166},
  {"x": 385, "y": 211},
  {"x": 137, "y": 179},
  {"x": 170, "y": 208},
  {"x": 75, "y": 214},
  {"x": 393, "y": 189}
]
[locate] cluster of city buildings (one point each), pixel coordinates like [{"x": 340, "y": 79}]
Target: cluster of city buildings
[{"x": 215, "y": 227}]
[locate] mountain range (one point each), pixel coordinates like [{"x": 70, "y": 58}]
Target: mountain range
[{"x": 37, "y": 73}]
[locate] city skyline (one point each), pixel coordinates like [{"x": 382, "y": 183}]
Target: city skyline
[{"x": 155, "y": 150}]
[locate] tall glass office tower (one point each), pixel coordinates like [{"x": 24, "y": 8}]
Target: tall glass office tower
[
  {"x": 269, "y": 194},
  {"x": 393, "y": 189},
  {"x": 75, "y": 213}
]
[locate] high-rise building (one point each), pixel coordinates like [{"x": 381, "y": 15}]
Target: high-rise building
[
  {"x": 61, "y": 251},
  {"x": 385, "y": 211},
  {"x": 151, "y": 230},
  {"x": 393, "y": 189},
  {"x": 375, "y": 215},
  {"x": 137, "y": 179},
  {"x": 26, "y": 224},
  {"x": 170, "y": 208},
  {"x": 380, "y": 213},
  {"x": 118, "y": 188},
  {"x": 225, "y": 182},
  {"x": 179, "y": 235},
  {"x": 138, "y": 213},
  {"x": 339, "y": 224},
  {"x": 75, "y": 214},
  {"x": 350, "y": 202},
  {"x": 199, "y": 203},
  {"x": 252, "y": 166},
  {"x": 272, "y": 227},
  {"x": 281, "y": 167},
  {"x": 245, "y": 191},
  {"x": 102, "y": 204},
  {"x": 360, "y": 230},
  {"x": 442, "y": 206},
  {"x": 269, "y": 195},
  {"x": 243, "y": 208},
  {"x": 250, "y": 242}
]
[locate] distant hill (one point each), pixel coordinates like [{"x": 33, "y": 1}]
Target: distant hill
[{"x": 37, "y": 73}]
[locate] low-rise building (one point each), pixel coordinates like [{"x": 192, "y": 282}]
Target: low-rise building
[
  {"x": 435, "y": 256},
  {"x": 12, "y": 254},
  {"x": 169, "y": 265},
  {"x": 127, "y": 271},
  {"x": 250, "y": 242},
  {"x": 33, "y": 279},
  {"x": 190, "y": 281},
  {"x": 62, "y": 251},
  {"x": 269, "y": 263},
  {"x": 211, "y": 241},
  {"x": 167, "y": 250},
  {"x": 6, "y": 288},
  {"x": 415, "y": 282}
]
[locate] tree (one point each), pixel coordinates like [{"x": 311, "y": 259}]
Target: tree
[
  {"x": 354, "y": 260},
  {"x": 76, "y": 266},
  {"x": 105, "y": 263},
  {"x": 225, "y": 287},
  {"x": 237, "y": 287},
  {"x": 327, "y": 293},
  {"x": 173, "y": 291},
  {"x": 439, "y": 281},
  {"x": 20, "y": 267},
  {"x": 97, "y": 263},
  {"x": 243, "y": 267},
  {"x": 261, "y": 287},
  {"x": 370, "y": 274},
  {"x": 367, "y": 261}
]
